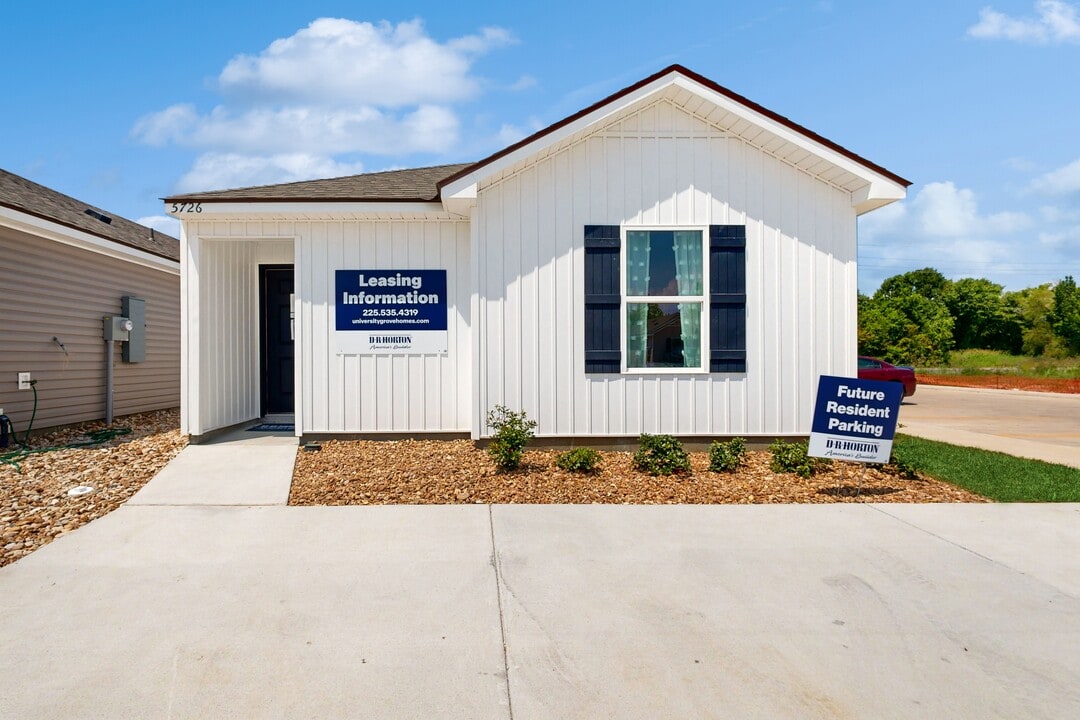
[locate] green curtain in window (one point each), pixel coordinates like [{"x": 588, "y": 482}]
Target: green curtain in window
[
  {"x": 637, "y": 283},
  {"x": 689, "y": 274}
]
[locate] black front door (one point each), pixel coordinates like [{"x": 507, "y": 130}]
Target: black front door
[{"x": 276, "y": 323}]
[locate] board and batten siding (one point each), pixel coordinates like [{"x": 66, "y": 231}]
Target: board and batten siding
[
  {"x": 49, "y": 289},
  {"x": 223, "y": 274},
  {"x": 335, "y": 393},
  {"x": 661, "y": 166}
]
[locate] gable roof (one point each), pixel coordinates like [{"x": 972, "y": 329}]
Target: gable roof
[
  {"x": 26, "y": 196},
  {"x": 413, "y": 185},
  {"x": 450, "y": 183},
  {"x": 699, "y": 79}
]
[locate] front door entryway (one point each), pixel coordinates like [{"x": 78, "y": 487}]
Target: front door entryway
[{"x": 276, "y": 323}]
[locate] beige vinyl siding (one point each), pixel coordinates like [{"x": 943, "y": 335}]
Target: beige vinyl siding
[{"x": 49, "y": 289}]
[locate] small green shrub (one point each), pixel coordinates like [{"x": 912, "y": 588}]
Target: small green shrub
[
  {"x": 582, "y": 460},
  {"x": 512, "y": 431},
  {"x": 791, "y": 458},
  {"x": 661, "y": 455},
  {"x": 726, "y": 456}
]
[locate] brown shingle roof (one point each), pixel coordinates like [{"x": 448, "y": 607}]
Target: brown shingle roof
[
  {"x": 414, "y": 185},
  {"x": 21, "y": 194}
]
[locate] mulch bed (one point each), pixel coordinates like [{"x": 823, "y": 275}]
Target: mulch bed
[
  {"x": 35, "y": 507},
  {"x": 1003, "y": 382},
  {"x": 455, "y": 471}
]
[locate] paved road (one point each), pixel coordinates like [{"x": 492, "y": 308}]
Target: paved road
[{"x": 1029, "y": 424}]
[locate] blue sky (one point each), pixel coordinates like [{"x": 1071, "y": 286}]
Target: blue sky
[{"x": 978, "y": 103}]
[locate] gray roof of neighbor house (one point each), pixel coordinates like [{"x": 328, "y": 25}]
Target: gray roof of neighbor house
[
  {"x": 413, "y": 185},
  {"x": 26, "y": 196}
]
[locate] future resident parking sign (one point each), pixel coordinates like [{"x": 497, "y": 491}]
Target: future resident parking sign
[
  {"x": 390, "y": 312},
  {"x": 854, "y": 419}
]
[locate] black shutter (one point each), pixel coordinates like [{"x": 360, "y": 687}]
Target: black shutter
[
  {"x": 603, "y": 298},
  {"x": 727, "y": 301}
]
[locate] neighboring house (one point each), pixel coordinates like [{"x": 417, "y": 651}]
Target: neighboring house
[
  {"x": 64, "y": 265},
  {"x": 673, "y": 259}
]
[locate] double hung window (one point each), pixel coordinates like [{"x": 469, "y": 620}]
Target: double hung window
[{"x": 665, "y": 299}]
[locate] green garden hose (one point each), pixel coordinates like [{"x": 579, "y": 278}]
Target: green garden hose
[{"x": 97, "y": 437}]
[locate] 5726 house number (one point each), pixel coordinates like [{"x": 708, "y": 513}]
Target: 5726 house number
[{"x": 185, "y": 207}]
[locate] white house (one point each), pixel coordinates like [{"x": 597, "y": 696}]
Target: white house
[{"x": 673, "y": 259}]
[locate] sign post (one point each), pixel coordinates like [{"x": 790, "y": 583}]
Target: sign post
[{"x": 855, "y": 420}]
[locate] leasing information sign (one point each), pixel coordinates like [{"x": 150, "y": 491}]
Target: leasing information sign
[
  {"x": 390, "y": 312},
  {"x": 855, "y": 420}
]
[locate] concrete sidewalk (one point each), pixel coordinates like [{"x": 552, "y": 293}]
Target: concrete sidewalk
[
  {"x": 240, "y": 468},
  {"x": 877, "y": 611}
]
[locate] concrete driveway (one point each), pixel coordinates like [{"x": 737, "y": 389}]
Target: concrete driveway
[
  {"x": 838, "y": 611},
  {"x": 1044, "y": 426}
]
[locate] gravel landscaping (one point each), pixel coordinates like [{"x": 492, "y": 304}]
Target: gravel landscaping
[
  {"x": 35, "y": 505},
  {"x": 426, "y": 472}
]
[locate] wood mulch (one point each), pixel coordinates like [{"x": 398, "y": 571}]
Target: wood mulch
[
  {"x": 35, "y": 507},
  {"x": 455, "y": 471}
]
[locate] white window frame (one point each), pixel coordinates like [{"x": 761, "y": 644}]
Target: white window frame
[{"x": 664, "y": 299}]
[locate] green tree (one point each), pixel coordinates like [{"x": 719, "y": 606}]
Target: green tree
[
  {"x": 1036, "y": 304},
  {"x": 983, "y": 317},
  {"x": 1065, "y": 317},
  {"x": 928, "y": 283},
  {"x": 906, "y": 320}
]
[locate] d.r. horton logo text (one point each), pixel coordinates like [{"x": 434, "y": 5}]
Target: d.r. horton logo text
[
  {"x": 389, "y": 339},
  {"x": 850, "y": 445}
]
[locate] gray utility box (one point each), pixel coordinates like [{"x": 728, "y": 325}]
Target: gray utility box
[
  {"x": 115, "y": 328},
  {"x": 134, "y": 349}
]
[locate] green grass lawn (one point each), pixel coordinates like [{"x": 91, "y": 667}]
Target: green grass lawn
[
  {"x": 979, "y": 362},
  {"x": 1000, "y": 477}
]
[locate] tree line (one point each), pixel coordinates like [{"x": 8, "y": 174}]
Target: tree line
[{"x": 918, "y": 317}]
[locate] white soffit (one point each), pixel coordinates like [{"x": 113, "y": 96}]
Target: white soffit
[
  {"x": 869, "y": 189},
  {"x": 56, "y": 232}
]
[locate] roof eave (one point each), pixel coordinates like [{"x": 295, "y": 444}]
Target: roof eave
[
  {"x": 473, "y": 174},
  {"x": 307, "y": 208},
  {"x": 53, "y": 229}
]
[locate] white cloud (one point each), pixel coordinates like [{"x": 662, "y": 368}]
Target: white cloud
[
  {"x": 166, "y": 126},
  {"x": 337, "y": 87},
  {"x": 1063, "y": 181},
  {"x": 162, "y": 223},
  {"x": 1057, "y": 22},
  {"x": 320, "y": 130},
  {"x": 343, "y": 62},
  {"x": 215, "y": 171},
  {"x": 523, "y": 83},
  {"x": 510, "y": 134},
  {"x": 943, "y": 210},
  {"x": 942, "y": 227}
]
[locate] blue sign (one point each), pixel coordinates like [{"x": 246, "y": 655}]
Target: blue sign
[
  {"x": 855, "y": 419},
  {"x": 390, "y": 311}
]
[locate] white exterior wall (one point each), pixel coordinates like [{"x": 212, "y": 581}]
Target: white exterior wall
[
  {"x": 220, "y": 319},
  {"x": 382, "y": 393},
  {"x": 661, "y": 166},
  {"x": 334, "y": 393}
]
